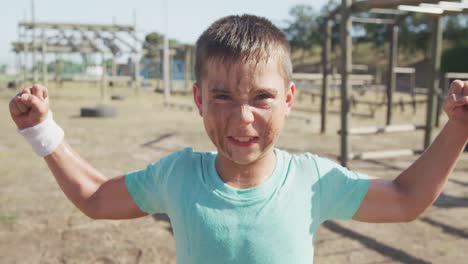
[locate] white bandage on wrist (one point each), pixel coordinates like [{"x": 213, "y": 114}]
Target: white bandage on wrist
[{"x": 44, "y": 137}]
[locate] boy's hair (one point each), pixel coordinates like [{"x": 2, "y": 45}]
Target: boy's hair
[{"x": 244, "y": 38}]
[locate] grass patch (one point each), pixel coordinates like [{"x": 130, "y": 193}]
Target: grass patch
[
  {"x": 4, "y": 79},
  {"x": 8, "y": 220}
]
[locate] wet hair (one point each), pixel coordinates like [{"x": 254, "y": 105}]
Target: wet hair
[{"x": 243, "y": 39}]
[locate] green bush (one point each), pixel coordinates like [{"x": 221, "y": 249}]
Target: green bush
[{"x": 455, "y": 59}]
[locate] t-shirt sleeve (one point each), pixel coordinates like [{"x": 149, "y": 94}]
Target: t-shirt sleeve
[
  {"x": 341, "y": 190},
  {"x": 150, "y": 187},
  {"x": 146, "y": 189}
]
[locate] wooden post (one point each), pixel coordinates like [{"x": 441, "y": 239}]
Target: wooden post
[
  {"x": 114, "y": 66},
  {"x": 22, "y": 70},
  {"x": 44, "y": 63},
  {"x": 391, "y": 71},
  {"x": 34, "y": 49},
  {"x": 326, "y": 49},
  {"x": 435, "y": 71},
  {"x": 346, "y": 64},
  {"x": 136, "y": 57},
  {"x": 166, "y": 70},
  {"x": 171, "y": 69},
  {"x": 188, "y": 67},
  {"x": 166, "y": 73},
  {"x": 136, "y": 63},
  {"x": 440, "y": 100},
  {"x": 103, "y": 79},
  {"x": 413, "y": 84},
  {"x": 57, "y": 69},
  {"x": 113, "y": 73}
]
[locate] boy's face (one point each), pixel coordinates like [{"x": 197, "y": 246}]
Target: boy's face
[{"x": 244, "y": 107}]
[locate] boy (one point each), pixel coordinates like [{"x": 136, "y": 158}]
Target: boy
[{"x": 249, "y": 202}]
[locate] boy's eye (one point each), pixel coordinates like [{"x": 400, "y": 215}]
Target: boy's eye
[
  {"x": 263, "y": 96},
  {"x": 222, "y": 97}
]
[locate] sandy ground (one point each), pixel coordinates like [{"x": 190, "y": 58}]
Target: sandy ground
[{"x": 39, "y": 225}]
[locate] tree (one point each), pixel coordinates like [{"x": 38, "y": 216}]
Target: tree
[
  {"x": 415, "y": 33},
  {"x": 68, "y": 67},
  {"x": 456, "y": 30},
  {"x": 303, "y": 30},
  {"x": 153, "y": 41}
]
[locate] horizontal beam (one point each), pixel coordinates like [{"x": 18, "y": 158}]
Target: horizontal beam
[
  {"x": 97, "y": 78},
  {"x": 362, "y": 6},
  {"x": 400, "y": 103},
  {"x": 404, "y": 70},
  {"x": 456, "y": 75},
  {"x": 368, "y": 20},
  {"x": 307, "y": 76},
  {"x": 443, "y": 7},
  {"x": 319, "y": 76},
  {"x": 384, "y": 154},
  {"x": 421, "y": 9},
  {"x": 52, "y": 48},
  {"x": 386, "y": 129},
  {"x": 387, "y": 11},
  {"x": 402, "y": 7},
  {"x": 78, "y": 26},
  {"x": 360, "y": 67}
]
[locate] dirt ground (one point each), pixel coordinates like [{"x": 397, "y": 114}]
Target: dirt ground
[{"x": 39, "y": 225}]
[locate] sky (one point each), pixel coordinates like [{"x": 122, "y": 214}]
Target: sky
[{"x": 186, "y": 18}]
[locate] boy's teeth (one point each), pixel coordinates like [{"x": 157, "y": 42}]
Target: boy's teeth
[{"x": 243, "y": 139}]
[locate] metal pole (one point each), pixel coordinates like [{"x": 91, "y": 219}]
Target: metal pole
[
  {"x": 166, "y": 73},
  {"x": 326, "y": 49},
  {"x": 435, "y": 71},
  {"x": 393, "y": 61},
  {"x": 346, "y": 65}
]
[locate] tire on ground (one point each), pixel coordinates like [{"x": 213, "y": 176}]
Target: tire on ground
[
  {"x": 98, "y": 111},
  {"x": 117, "y": 97}
]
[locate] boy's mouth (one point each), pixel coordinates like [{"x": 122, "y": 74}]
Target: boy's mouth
[{"x": 242, "y": 140}]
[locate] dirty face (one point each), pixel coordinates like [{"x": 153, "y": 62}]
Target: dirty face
[{"x": 244, "y": 106}]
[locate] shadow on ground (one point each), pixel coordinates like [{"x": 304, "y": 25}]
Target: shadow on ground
[
  {"x": 370, "y": 243},
  {"x": 446, "y": 228},
  {"x": 450, "y": 201},
  {"x": 158, "y": 139}
]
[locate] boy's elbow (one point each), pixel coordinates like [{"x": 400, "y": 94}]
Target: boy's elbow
[
  {"x": 410, "y": 217},
  {"x": 95, "y": 215},
  {"x": 90, "y": 215},
  {"x": 413, "y": 205},
  {"x": 91, "y": 212},
  {"x": 413, "y": 212},
  {"x": 92, "y": 209}
]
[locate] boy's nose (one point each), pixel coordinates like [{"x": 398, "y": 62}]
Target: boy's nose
[{"x": 245, "y": 114}]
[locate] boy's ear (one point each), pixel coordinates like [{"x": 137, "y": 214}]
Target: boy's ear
[
  {"x": 290, "y": 96},
  {"x": 197, "y": 97}
]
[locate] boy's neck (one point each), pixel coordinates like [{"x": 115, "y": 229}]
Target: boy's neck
[{"x": 246, "y": 176}]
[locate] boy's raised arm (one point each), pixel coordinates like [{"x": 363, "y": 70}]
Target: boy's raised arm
[
  {"x": 416, "y": 188},
  {"x": 89, "y": 190}
]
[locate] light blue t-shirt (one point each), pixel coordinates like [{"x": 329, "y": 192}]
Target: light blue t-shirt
[{"x": 273, "y": 222}]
